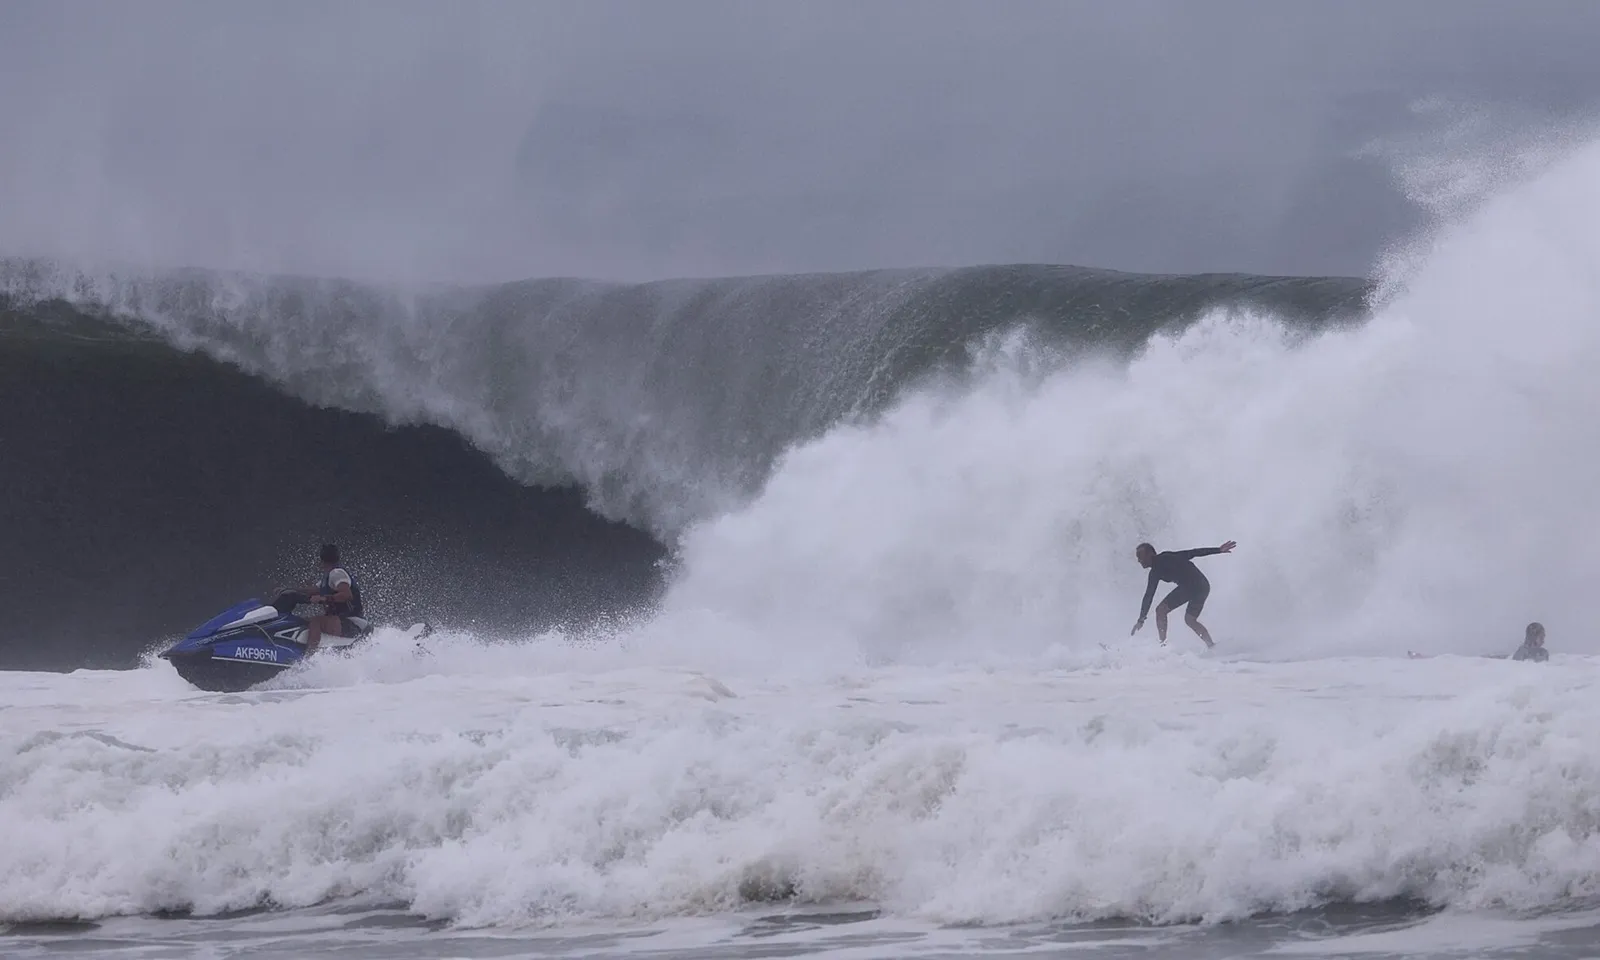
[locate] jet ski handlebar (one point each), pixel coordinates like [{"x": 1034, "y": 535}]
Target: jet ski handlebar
[{"x": 286, "y": 599}]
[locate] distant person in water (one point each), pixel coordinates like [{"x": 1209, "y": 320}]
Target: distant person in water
[
  {"x": 340, "y": 596},
  {"x": 1532, "y": 644},
  {"x": 1177, "y": 566}
]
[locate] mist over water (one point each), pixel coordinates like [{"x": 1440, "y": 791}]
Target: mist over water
[{"x": 1422, "y": 481}]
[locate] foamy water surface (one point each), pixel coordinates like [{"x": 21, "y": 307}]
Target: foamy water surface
[{"x": 1159, "y": 786}]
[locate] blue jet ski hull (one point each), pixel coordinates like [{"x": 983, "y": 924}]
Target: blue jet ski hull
[{"x": 250, "y": 643}]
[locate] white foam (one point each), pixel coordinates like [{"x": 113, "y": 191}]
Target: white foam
[
  {"x": 1425, "y": 481},
  {"x": 1169, "y": 788}
]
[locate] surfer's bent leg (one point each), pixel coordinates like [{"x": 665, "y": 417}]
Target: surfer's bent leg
[
  {"x": 1169, "y": 603},
  {"x": 1181, "y": 594},
  {"x": 1197, "y": 603}
]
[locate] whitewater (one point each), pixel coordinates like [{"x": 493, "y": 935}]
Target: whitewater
[
  {"x": 540, "y": 791},
  {"x": 889, "y": 705}
]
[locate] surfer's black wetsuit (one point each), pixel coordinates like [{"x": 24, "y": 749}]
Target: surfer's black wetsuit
[{"x": 1177, "y": 566}]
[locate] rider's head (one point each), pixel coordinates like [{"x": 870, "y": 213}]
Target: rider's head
[
  {"x": 1145, "y": 554},
  {"x": 1534, "y": 635},
  {"x": 330, "y": 556}
]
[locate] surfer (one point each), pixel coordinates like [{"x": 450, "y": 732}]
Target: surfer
[
  {"x": 1177, "y": 566},
  {"x": 340, "y": 596}
]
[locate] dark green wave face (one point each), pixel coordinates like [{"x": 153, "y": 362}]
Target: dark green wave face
[{"x": 663, "y": 401}]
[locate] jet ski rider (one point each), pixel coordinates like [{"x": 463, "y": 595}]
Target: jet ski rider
[{"x": 340, "y": 596}]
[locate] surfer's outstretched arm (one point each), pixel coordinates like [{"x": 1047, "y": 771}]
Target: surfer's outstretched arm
[{"x": 1207, "y": 551}]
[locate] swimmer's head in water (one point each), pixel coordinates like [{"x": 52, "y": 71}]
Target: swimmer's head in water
[
  {"x": 1145, "y": 554},
  {"x": 1534, "y": 635}
]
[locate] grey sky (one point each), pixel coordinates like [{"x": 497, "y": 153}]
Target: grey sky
[{"x": 640, "y": 140}]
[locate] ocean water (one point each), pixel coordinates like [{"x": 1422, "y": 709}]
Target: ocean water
[
  {"x": 526, "y": 800},
  {"x": 806, "y": 610}
]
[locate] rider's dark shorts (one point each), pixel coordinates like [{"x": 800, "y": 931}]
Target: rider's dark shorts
[
  {"x": 347, "y": 627},
  {"x": 1194, "y": 594}
]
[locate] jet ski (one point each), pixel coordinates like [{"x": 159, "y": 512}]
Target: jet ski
[{"x": 251, "y": 642}]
